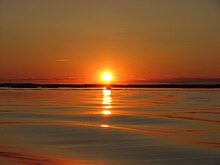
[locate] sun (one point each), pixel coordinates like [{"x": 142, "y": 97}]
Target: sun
[{"x": 106, "y": 77}]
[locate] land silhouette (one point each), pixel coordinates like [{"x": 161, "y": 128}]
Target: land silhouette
[{"x": 33, "y": 85}]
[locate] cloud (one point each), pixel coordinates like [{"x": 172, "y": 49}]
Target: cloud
[{"x": 63, "y": 60}]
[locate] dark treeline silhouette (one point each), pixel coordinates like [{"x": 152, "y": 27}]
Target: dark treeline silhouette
[{"x": 31, "y": 85}]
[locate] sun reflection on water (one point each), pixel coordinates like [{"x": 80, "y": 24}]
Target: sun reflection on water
[
  {"x": 104, "y": 125},
  {"x": 106, "y": 106},
  {"x": 106, "y": 112},
  {"x": 106, "y": 102}
]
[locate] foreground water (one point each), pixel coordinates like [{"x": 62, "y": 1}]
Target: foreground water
[{"x": 109, "y": 127}]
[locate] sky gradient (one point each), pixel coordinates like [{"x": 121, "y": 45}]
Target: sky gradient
[{"x": 73, "y": 41}]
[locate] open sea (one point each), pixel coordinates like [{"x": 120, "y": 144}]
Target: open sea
[{"x": 109, "y": 127}]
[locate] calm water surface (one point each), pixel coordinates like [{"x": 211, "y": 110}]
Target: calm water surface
[{"x": 109, "y": 127}]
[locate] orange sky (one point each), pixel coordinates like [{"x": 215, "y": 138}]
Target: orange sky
[{"x": 68, "y": 41}]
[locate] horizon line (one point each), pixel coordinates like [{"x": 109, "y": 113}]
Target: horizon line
[{"x": 34, "y": 85}]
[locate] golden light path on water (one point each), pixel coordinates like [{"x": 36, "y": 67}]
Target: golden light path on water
[{"x": 106, "y": 106}]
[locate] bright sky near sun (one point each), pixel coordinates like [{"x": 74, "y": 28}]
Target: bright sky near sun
[{"x": 54, "y": 41}]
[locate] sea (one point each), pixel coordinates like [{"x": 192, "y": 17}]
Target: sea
[{"x": 99, "y": 126}]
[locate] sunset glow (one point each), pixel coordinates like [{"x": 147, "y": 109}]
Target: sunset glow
[
  {"x": 106, "y": 77},
  {"x": 109, "y": 82},
  {"x": 124, "y": 41}
]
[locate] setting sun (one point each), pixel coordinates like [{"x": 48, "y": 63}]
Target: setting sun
[{"x": 106, "y": 76}]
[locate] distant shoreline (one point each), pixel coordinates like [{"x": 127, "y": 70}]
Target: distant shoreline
[{"x": 30, "y": 85}]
